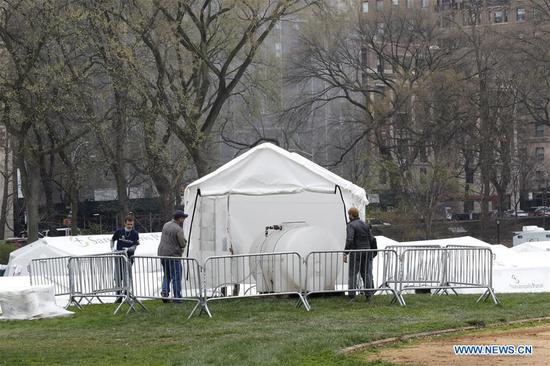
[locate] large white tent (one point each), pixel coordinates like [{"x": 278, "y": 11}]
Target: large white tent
[
  {"x": 265, "y": 186},
  {"x": 72, "y": 246}
]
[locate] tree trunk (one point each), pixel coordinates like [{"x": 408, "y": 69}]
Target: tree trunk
[
  {"x": 4, "y": 208},
  {"x": 30, "y": 176},
  {"x": 5, "y": 176},
  {"x": 74, "y": 209},
  {"x": 199, "y": 154},
  {"x": 122, "y": 191},
  {"x": 46, "y": 173},
  {"x": 166, "y": 195}
]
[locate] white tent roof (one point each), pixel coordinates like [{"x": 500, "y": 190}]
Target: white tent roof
[
  {"x": 268, "y": 169},
  {"x": 61, "y": 246},
  {"x": 534, "y": 246},
  {"x": 266, "y": 185},
  {"x": 462, "y": 240}
]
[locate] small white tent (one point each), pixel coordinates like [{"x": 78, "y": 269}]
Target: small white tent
[
  {"x": 265, "y": 186},
  {"x": 61, "y": 246}
]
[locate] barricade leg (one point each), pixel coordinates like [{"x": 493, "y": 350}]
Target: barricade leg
[
  {"x": 73, "y": 302},
  {"x": 486, "y": 294},
  {"x": 204, "y": 308},
  {"x": 302, "y": 301}
]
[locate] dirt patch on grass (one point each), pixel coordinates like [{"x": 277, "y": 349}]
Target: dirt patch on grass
[{"x": 439, "y": 351}]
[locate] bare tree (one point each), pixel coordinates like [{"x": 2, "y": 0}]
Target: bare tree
[
  {"x": 395, "y": 74},
  {"x": 199, "y": 52},
  {"x": 6, "y": 178}
]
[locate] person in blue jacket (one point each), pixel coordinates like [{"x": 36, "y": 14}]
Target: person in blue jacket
[{"x": 125, "y": 240}]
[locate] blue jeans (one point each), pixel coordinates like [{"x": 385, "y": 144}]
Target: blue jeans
[{"x": 172, "y": 269}]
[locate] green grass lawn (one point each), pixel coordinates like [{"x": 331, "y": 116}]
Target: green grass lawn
[{"x": 263, "y": 331}]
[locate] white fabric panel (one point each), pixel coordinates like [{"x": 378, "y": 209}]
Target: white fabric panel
[
  {"x": 268, "y": 170},
  {"x": 249, "y": 215},
  {"x": 61, "y": 246}
]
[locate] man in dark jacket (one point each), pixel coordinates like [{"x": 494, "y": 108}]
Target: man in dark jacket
[
  {"x": 125, "y": 240},
  {"x": 172, "y": 243},
  {"x": 358, "y": 236}
]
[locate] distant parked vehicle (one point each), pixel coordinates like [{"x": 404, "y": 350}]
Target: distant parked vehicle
[
  {"x": 531, "y": 210},
  {"x": 543, "y": 211},
  {"x": 515, "y": 213}
]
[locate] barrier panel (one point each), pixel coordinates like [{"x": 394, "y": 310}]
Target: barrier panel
[
  {"x": 391, "y": 277},
  {"x": 363, "y": 271},
  {"x": 101, "y": 276},
  {"x": 51, "y": 271},
  {"x": 395, "y": 269},
  {"x": 253, "y": 275},
  {"x": 183, "y": 278},
  {"x": 446, "y": 269},
  {"x": 470, "y": 267}
]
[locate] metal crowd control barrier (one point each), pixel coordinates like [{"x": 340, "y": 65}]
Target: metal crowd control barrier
[
  {"x": 470, "y": 267},
  {"x": 391, "y": 278},
  {"x": 446, "y": 269},
  {"x": 421, "y": 268},
  {"x": 366, "y": 271},
  {"x": 253, "y": 275},
  {"x": 51, "y": 271},
  {"x": 101, "y": 276},
  {"x": 148, "y": 274}
]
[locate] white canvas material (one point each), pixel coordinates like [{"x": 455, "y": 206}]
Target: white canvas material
[
  {"x": 60, "y": 246},
  {"x": 29, "y": 302},
  {"x": 265, "y": 186}
]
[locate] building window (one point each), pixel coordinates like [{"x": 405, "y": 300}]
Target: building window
[
  {"x": 379, "y": 4},
  {"x": 395, "y": 2},
  {"x": 520, "y": 14},
  {"x": 538, "y": 175},
  {"x": 500, "y": 16},
  {"x": 365, "y": 6},
  {"x": 471, "y": 17},
  {"x": 539, "y": 130},
  {"x": 424, "y": 3},
  {"x": 410, "y": 4},
  {"x": 539, "y": 153},
  {"x": 423, "y": 171}
]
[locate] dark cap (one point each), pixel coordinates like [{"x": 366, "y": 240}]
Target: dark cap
[{"x": 179, "y": 214}]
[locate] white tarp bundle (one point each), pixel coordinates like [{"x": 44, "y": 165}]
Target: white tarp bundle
[
  {"x": 61, "y": 246},
  {"x": 29, "y": 302},
  {"x": 265, "y": 186}
]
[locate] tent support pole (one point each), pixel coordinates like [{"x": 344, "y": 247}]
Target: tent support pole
[
  {"x": 192, "y": 218},
  {"x": 337, "y": 187}
]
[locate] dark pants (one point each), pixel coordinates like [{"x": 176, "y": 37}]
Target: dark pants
[
  {"x": 360, "y": 263},
  {"x": 120, "y": 274},
  {"x": 172, "y": 269}
]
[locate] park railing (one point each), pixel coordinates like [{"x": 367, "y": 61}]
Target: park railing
[
  {"x": 394, "y": 270},
  {"x": 444, "y": 269},
  {"x": 366, "y": 271},
  {"x": 171, "y": 279},
  {"x": 470, "y": 267},
  {"x": 392, "y": 278},
  {"x": 51, "y": 271},
  {"x": 99, "y": 277},
  {"x": 254, "y": 275}
]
